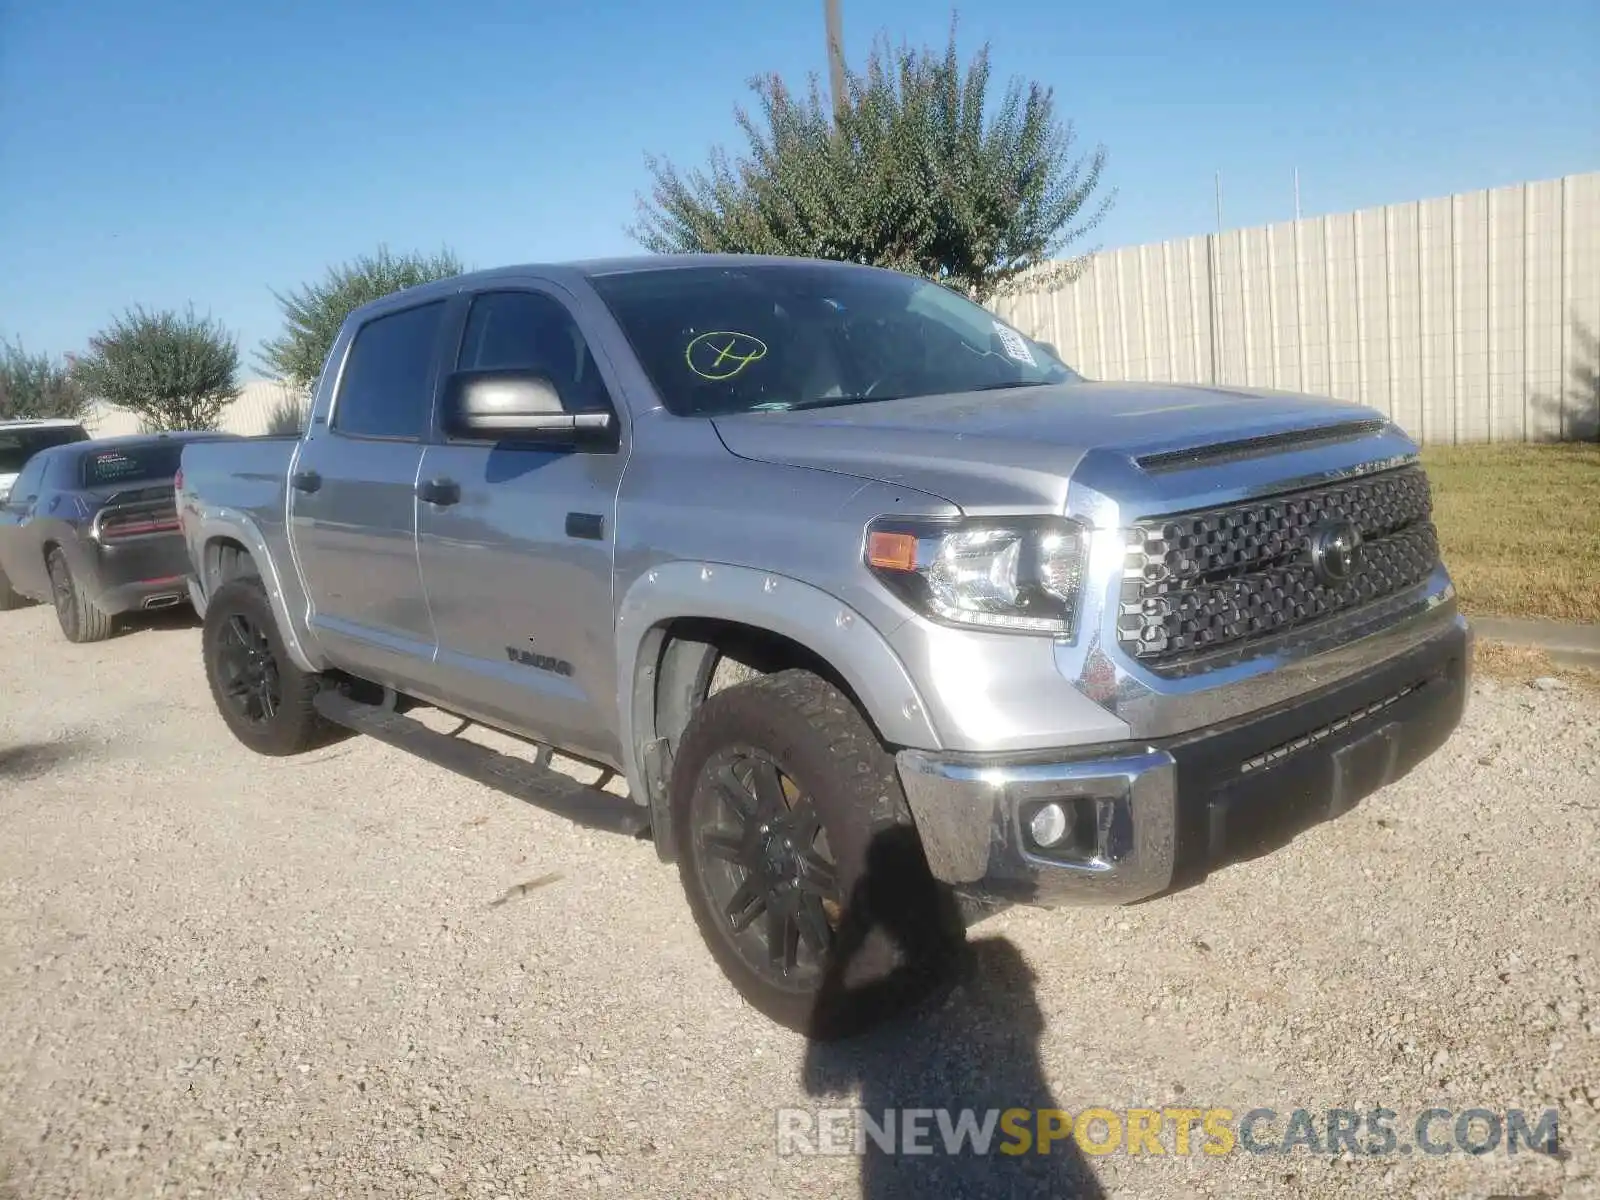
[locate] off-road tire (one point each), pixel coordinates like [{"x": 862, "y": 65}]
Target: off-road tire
[
  {"x": 81, "y": 619},
  {"x": 294, "y": 725},
  {"x": 813, "y": 734}
]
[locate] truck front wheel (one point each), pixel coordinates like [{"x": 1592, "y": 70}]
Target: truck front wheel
[
  {"x": 800, "y": 860},
  {"x": 265, "y": 699}
]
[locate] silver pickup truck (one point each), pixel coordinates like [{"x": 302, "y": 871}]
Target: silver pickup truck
[{"x": 867, "y": 595}]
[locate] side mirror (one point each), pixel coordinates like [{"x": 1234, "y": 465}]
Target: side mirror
[{"x": 518, "y": 405}]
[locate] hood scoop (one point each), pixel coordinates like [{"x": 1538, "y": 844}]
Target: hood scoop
[{"x": 1240, "y": 449}]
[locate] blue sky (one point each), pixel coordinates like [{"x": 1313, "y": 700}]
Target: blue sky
[{"x": 166, "y": 152}]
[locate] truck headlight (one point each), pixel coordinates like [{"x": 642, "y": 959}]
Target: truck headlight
[{"x": 1016, "y": 574}]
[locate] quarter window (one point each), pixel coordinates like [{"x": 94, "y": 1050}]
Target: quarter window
[{"x": 26, "y": 485}]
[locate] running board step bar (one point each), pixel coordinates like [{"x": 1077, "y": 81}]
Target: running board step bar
[{"x": 540, "y": 786}]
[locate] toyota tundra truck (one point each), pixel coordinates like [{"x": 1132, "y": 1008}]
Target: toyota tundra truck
[{"x": 826, "y": 560}]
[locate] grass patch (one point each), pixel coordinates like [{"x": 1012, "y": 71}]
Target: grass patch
[
  {"x": 1520, "y": 527},
  {"x": 1524, "y": 664}
]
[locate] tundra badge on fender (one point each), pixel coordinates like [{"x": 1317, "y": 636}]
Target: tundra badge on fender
[{"x": 542, "y": 662}]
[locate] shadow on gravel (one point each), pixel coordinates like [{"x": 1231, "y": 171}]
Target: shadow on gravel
[
  {"x": 32, "y": 759},
  {"x": 180, "y": 616},
  {"x": 972, "y": 1045}
]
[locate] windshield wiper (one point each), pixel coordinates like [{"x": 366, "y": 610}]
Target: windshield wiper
[{"x": 1010, "y": 383}]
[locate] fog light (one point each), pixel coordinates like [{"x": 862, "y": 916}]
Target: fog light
[{"x": 1048, "y": 825}]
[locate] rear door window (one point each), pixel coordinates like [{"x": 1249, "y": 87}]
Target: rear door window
[{"x": 387, "y": 387}]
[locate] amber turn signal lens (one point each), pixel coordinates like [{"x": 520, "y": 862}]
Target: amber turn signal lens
[{"x": 892, "y": 551}]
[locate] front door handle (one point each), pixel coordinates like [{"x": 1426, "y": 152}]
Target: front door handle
[
  {"x": 305, "y": 481},
  {"x": 439, "y": 491}
]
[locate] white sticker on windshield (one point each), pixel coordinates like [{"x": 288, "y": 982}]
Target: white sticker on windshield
[{"x": 1012, "y": 341}]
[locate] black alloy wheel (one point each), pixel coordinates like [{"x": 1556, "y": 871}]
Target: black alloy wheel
[
  {"x": 63, "y": 595},
  {"x": 248, "y": 670},
  {"x": 767, "y": 867},
  {"x": 267, "y": 701},
  {"x": 800, "y": 860},
  {"x": 81, "y": 619}
]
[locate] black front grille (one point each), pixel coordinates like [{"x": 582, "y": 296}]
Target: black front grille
[{"x": 1201, "y": 581}]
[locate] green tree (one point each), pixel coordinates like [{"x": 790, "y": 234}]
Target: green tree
[
  {"x": 34, "y": 385},
  {"x": 174, "y": 371},
  {"x": 908, "y": 174},
  {"x": 313, "y": 312}
]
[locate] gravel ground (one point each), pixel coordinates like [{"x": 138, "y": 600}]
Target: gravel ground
[{"x": 232, "y": 976}]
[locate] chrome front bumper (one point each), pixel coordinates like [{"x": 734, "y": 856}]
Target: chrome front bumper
[
  {"x": 972, "y": 818},
  {"x": 1141, "y": 814}
]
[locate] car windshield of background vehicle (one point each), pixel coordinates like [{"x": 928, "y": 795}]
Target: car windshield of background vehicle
[
  {"x": 131, "y": 464},
  {"x": 718, "y": 340},
  {"x": 19, "y": 445}
]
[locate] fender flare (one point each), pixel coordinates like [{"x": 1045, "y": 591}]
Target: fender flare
[
  {"x": 230, "y": 524},
  {"x": 766, "y": 600}
]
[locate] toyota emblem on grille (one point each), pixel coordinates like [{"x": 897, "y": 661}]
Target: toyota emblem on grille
[{"x": 1335, "y": 551}]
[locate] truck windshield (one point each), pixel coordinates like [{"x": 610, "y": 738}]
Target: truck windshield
[
  {"x": 772, "y": 337},
  {"x": 132, "y": 464},
  {"x": 19, "y": 445}
]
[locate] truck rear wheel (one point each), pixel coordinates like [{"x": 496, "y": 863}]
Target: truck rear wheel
[
  {"x": 265, "y": 699},
  {"x": 81, "y": 619},
  {"x": 800, "y": 860}
]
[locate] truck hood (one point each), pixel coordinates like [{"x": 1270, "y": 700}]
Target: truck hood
[{"x": 1017, "y": 448}]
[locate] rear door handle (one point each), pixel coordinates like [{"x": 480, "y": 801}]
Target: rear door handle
[
  {"x": 305, "y": 481},
  {"x": 439, "y": 491}
]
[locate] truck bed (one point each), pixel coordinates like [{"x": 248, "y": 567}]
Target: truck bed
[{"x": 248, "y": 475}]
